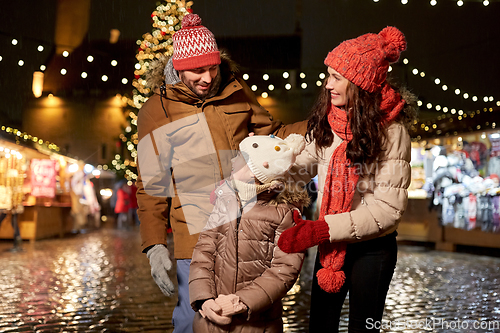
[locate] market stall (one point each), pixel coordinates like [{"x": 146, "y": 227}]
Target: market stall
[
  {"x": 49, "y": 193},
  {"x": 454, "y": 194}
]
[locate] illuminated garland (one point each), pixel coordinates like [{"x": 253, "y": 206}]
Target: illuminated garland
[{"x": 27, "y": 137}]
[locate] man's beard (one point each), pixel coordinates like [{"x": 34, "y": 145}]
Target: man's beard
[{"x": 214, "y": 88}]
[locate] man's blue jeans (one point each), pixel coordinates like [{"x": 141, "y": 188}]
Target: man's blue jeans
[{"x": 183, "y": 315}]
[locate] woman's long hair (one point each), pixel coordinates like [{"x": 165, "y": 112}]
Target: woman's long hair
[{"x": 365, "y": 117}]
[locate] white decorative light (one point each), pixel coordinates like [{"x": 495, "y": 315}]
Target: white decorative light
[
  {"x": 405, "y": 61},
  {"x": 491, "y": 99},
  {"x": 20, "y": 62},
  {"x": 84, "y": 75},
  {"x": 65, "y": 54},
  {"x": 104, "y": 78},
  {"x": 270, "y": 87},
  {"x": 486, "y": 2},
  {"x": 322, "y": 76},
  {"x": 265, "y": 77},
  {"x": 457, "y": 91},
  {"x": 433, "y": 2},
  {"x": 137, "y": 66},
  {"x": 264, "y": 95},
  {"x": 254, "y": 88},
  {"x": 438, "y": 107},
  {"x": 286, "y": 75},
  {"x": 124, "y": 81},
  {"x": 14, "y": 41},
  {"x": 404, "y": 2},
  {"x": 90, "y": 58},
  {"x": 437, "y": 81},
  {"x": 429, "y": 105},
  {"x": 474, "y": 98},
  {"x": 466, "y": 95},
  {"x": 288, "y": 86},
  {"x": 114, "y": 63},
  {"x": 246, "y": 77},
  {"x": 63, "y": 71},
  {"x": 414, "y": 71},
  {"x": 43, "y": 67},
  {"x": 389, "y": 69},
  {"x": 40, "y": 48},
  {"x": 445, "y": 109},
  {"x": 485, "y": 98},
  {"x": 422, "y": 74},
  {"x": 419, "y": 103},
  {"x": 445, "y": 87},
  {"x": 303, "y": 85},
  {"x": 460, "y": 3},
  {"x": 302, "y": 75},
  {"x": 453, "y": 111},
  {"x": 319, "y": 83}
]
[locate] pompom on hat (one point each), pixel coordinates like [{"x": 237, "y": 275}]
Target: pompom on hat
[
  {"x": 270, "y": 157},
  {"x": 365, "y": 60},
  {"x": 194, "y": 45}
]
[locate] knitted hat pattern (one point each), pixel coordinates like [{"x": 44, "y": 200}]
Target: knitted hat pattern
[
  {"x": 270, "y": 157},
  {"x": 365, "y": 60},
  {"x": 194, "y": 45}
]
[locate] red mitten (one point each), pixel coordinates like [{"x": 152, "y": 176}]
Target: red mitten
[{"x": 304, "y": 235}]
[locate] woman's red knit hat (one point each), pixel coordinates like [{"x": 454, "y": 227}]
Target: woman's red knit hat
[
  {"x": 194, "y": 45},
  {"x": 365, "y": 60}
]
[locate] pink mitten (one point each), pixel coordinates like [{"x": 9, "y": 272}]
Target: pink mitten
[
  {"x": 213, "y": 312},
  {"x": 230, "y": 304}
]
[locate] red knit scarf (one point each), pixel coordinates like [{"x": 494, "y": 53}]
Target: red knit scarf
[{"x": 340, "y": 185}]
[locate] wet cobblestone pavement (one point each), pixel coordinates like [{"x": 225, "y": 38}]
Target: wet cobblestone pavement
[{"x": 100, "y": 282}]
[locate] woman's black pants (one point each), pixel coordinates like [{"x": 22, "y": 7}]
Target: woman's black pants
[{"x": 369, "y": 267}]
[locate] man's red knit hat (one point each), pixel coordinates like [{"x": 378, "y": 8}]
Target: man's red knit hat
[
  {"x": 194, "y": 45},
  {"x": 365, "y": 60}
]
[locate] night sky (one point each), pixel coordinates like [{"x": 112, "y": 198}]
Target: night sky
[{"x": 459, "y": 45}]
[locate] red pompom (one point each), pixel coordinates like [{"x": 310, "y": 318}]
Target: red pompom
[
  {"x": 190, "y": 10},
  {"x": 394, "y": 37},
  {"x": 329, "y": 280},
  {"x": 396, "y": 42},
  {"x": 191, "y": 20}
]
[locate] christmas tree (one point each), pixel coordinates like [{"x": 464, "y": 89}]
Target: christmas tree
[{"x": 166, "y": 20}]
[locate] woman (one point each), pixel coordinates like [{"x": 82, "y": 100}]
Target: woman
[{"x": 360, "y": 149}]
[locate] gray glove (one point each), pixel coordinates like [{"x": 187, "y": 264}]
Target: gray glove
[{"x": 159, "y": 259}]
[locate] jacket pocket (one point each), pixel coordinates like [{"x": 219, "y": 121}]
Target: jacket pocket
[{"x": 238, "y": 107}]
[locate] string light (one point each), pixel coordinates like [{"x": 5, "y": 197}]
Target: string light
[
  {"x": 40, "y": 48},
  {"x": 27, "y": 137},
  {"x": 286, "y": 75},
  {"x": 65, "y": 54}
]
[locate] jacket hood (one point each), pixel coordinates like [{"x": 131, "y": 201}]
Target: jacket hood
[
  {"x": 155, "y": 75},
  {"x": 289, "y": 193}
]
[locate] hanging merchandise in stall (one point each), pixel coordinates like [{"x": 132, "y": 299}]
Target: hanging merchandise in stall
[
  {"x": 43, "y": 178},
  {"x": 11, "y": 180},
  {"x": 465, "y": 185}
]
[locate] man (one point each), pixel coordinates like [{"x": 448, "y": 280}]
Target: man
[{"x": 188, "y": 133}]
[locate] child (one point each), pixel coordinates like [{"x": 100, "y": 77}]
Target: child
[{"x": 238, "y": 275}]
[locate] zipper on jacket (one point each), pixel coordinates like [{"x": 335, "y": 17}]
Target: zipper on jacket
[
  {"x": 236, "y": 240},
  {"x": 363, "y": 200}
]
